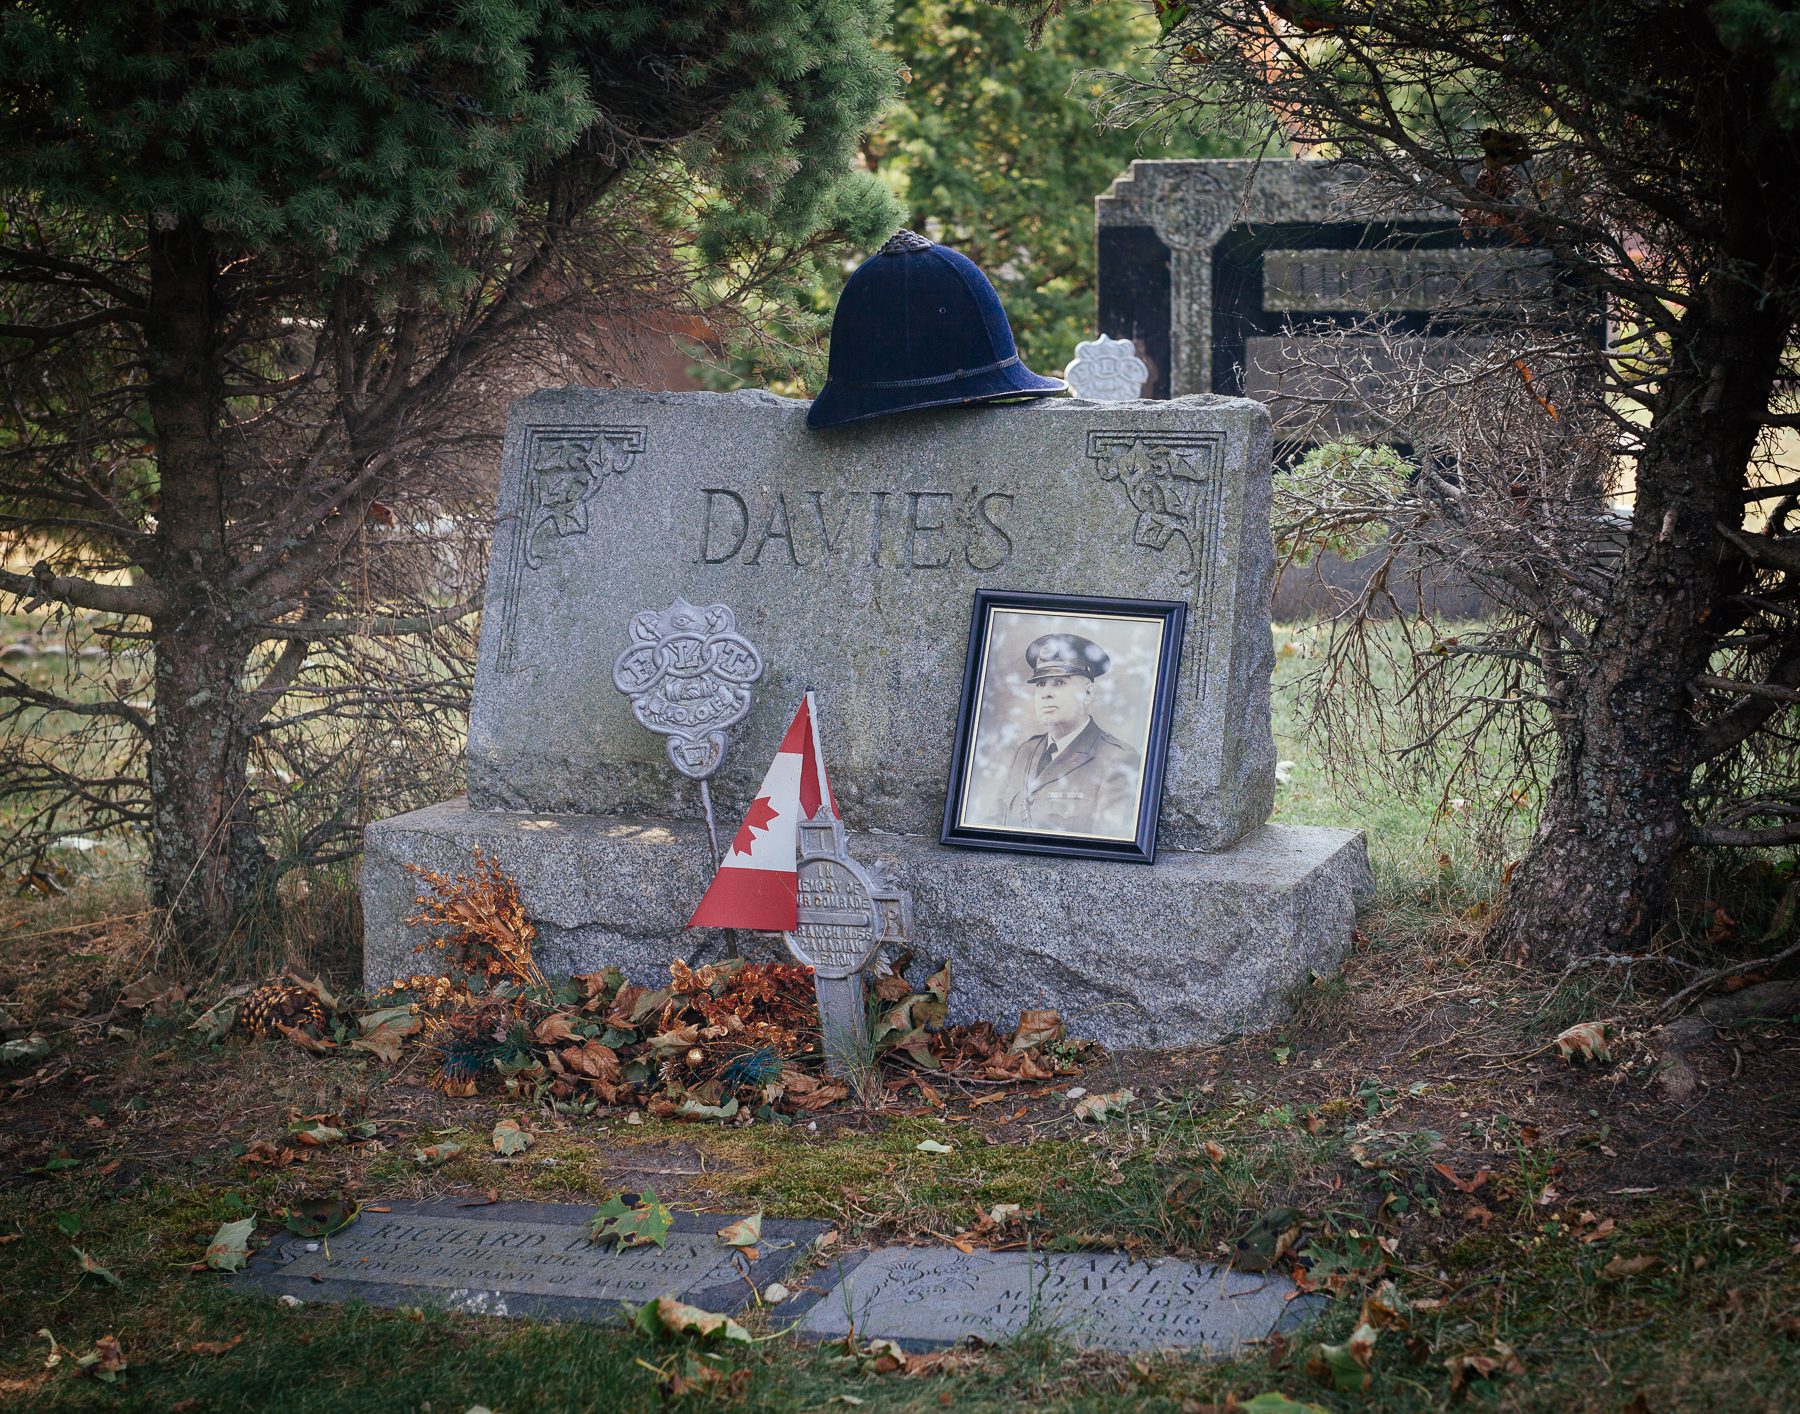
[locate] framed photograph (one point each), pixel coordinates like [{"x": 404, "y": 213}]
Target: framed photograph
[{"x": 1064, "y": 725}]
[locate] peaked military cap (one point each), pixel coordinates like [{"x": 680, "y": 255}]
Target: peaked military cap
[
  {"x": 1061, "y": 655},
  {"x": 919, "y": 326}
]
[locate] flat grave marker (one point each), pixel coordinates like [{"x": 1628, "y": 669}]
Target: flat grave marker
[
  {"x": 521, "y": 1259},
  {"x": 924, "y": 1297}
]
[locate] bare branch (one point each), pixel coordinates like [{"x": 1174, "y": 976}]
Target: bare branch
[
  {"x": 375, "y": 626},
  {"x": 44, "y": 585}
]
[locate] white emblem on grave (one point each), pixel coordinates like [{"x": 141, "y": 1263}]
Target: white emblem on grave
[{"x": 1106, "y": 371}]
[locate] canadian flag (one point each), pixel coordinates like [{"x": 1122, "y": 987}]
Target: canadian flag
[{"x": 758, "y": 883}]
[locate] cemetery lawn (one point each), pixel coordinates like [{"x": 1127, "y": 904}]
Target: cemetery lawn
[
  {"x": 1562, "y": 1235},
  {"x": 1557, "y": 1225}
]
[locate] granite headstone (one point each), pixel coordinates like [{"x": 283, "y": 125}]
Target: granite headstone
[{"x": 850, "y": 559}]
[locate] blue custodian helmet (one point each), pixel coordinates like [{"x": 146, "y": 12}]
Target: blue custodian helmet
[{"x": 919, "y": 326}]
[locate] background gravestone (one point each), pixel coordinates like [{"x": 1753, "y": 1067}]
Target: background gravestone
[
  {"x": 1216, "y": 269},
  {"x": 851, "y": 559},
  {"x": 1213, "y": 268}
]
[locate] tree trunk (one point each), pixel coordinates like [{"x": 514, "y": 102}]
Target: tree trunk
[
  {"x": 1597, "y": 874},
  {"x": 204, "y": 859}
]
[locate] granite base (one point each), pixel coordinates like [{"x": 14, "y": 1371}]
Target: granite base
[{"x": 1185, "y": 951}]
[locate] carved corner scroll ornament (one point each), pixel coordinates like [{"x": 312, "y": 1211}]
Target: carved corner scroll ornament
[
  {"x": 565, "y": 467},
  {"x": 1171, "y": 480},
  {"x": 561, "y": 478},
  {"x": 688, "y": 673},
  {"x": 1174, "y": 481}
]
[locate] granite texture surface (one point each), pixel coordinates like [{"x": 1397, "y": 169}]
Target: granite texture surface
[
  {"x": 520, "y": 1259},
  {"x": 924, "y": 1297},
  {"x": 1196, "y": 946},
  {"x": 851, "y": 559}
]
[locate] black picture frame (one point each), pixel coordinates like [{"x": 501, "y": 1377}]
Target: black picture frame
[{"x": 990, "y": 807}]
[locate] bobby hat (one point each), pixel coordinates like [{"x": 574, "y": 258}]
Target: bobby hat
[{"x": 919, "y": 326}]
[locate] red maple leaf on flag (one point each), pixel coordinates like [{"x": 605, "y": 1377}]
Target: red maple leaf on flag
[{"x": 758, "y": 817}]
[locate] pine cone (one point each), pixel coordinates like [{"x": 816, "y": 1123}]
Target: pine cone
[{"x": 277, "y": 1004}]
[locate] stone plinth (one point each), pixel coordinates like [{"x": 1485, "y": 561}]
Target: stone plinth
[{"x": 1190, "y": 949}]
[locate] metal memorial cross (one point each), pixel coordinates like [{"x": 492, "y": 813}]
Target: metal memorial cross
[
  {"x": 846, "y": 914},
  {"x": 688, "y": 674}
]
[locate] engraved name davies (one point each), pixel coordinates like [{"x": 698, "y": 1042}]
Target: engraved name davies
[{"x": 906, "y": 528}]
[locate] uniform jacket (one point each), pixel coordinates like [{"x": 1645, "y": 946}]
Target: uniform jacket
[{"x": 1090, "y": 788}]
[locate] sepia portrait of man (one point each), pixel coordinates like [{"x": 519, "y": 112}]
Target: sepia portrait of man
[
  {"x": 1061, "y": 725},
  {"x": 1073, "y": 776}
]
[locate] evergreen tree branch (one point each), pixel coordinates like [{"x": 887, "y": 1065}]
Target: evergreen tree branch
[{"x": 43, "y": 585}]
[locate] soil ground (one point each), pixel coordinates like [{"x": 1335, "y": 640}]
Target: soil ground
[{"x": 1561, "y": 1234}]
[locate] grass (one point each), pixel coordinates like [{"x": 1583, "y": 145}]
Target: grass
[
  {"x": 1421, "y": 856},
  {"x": 1628, "y": 1255},
  {"x": 1703, "y": 1320}
]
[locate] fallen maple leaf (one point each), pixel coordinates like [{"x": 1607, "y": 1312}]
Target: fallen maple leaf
[
  {"x": 384, "y": 1042},
  {"x": 1385, "y": 1308},
  {"x": 320, "y": 1217},
  {"x": 554, "y": 1028},
  {"x": 745, "y": 1232},
  {"x": 1585, "y": 1040},
  {"x": 306, "y": 1041},
  {"x": 1465, "y": 1369},
  {"x": 1345, "y": 1367},
  {"x": 1463, "y": 1185},
  {"x": 697, "y": 1377},
  {"x": 1099, "y": 1108},
  {"x": 646, "y": 1223},
  {"x": 437, "y": 1153},
  {"x": 230, "y": 1248},
  {"x": 1037, "y": 1028},
  {"x": 673, "y": 1317},
  {"x": 511, "y": 1137},
  {"x": 91, "y": 1268},
  {"x": 106, "y": 1363}
]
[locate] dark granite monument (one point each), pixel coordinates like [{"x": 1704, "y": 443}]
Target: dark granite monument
[{"x": 1215, "y": 270}]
